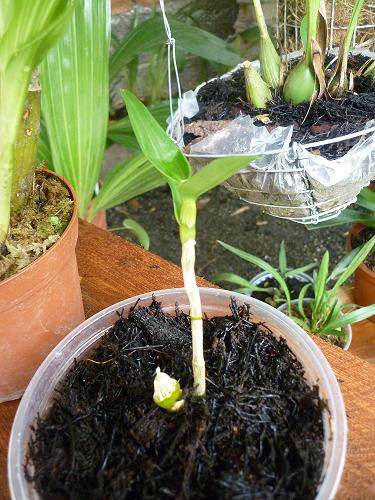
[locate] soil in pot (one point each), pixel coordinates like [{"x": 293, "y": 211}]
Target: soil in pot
[
  {"x": 222, "y": 100},
  {"x": 295, "y": 286},
  {"x": 37, "y": 226},
  {"x": 364, "y": 236},
  {"x": 257, "y": 434}
]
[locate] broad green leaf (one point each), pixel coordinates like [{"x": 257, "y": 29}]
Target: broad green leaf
[
  {"x": 213, "y": 174},
  {"x": 128, "y": 179},
  {"x": 358, "y": 258},
  {"x": 350, "y": 318},
  {"x": 75, "y": 98},
  {"x": 151, "y": 34},
  {"x": 253, "y": 259},
  {"x": 366, "y": 199},
  {"x": 121, "y": 131},
  {"x": 282, "y": 259},
  {"x": 155, "y": 144},
  {"x": 139, "y": 231}
]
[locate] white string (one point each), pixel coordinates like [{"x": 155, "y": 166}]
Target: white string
[{"x": 171, "y": 54}]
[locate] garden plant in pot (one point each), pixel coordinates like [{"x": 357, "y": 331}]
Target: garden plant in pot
[
  {"x": 272, "y": 285},
  {"x": 362, "y": 219},
  {"x": 271, "y": 410},
  {"x": 37, "y": 209},
  {"x": 309, "y": 115},
  {"x": 312, "y": 302}
]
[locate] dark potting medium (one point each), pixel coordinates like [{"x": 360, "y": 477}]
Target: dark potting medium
[
  {"x": 295, "y": 286},
  {"x": 225, "y": 99},
  {"x": 257, "y": 434}
]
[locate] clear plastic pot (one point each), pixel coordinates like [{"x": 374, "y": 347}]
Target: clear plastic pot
[
  {"x": 215, "y": 302},
  {"x": 347, "y": 328}
]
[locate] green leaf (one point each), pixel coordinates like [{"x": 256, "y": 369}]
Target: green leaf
[
  {"x": 253, "y": 259},
  {"x": 350, "y": 318},
  {"x": 121, "y": 131},
  {"x": 238, "y": 280},
  {"x": 139, "y": 231},
  {"x": 301, "y": 298},
  {"x": 75, "y": 98},
  {"x": 342, "y": 265},
  {"x": 213, "y": 174},
  {"x": 320, "y": 282},
  {"x": 366, "y": 199},
  {"x": 282, "y": 259},
  {"x": 155, "y": 143},
  {"x": 349, "y": 216},
  {"x": 44, "y": 148},
  {"x": 300, "y": 270},
  {"x": 151, "y": 34},
  {"x": 128, "y": 179},
  {"x": 303, "y": 32},
  {"x": 358, "y": 258}
]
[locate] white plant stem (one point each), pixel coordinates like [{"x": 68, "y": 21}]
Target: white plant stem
[{"x": 192, "y": 291}]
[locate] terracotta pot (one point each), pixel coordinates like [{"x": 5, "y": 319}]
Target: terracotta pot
[
  {"x": 364, "y": 289},
  {"x": 38, "y": 307}
]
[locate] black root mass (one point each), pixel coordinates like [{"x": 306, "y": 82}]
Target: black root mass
[{"x": 257, "y": 434}]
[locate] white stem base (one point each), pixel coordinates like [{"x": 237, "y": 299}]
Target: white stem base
[{"x": 192, "y": 291}]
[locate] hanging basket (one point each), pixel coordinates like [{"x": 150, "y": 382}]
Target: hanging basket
[{"x": 289, "y": 180}]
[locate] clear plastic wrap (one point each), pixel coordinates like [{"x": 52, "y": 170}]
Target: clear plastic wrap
[{"x": 288, "y": 181}]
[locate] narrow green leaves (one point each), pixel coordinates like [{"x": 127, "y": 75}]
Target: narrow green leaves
[
  {"x": 158, "y": 148},
  {"x": 75, "y": 98},
  {"x": 151, "y": 34},
  {"x": 139, "y": 232},
  {"x": 282, "y": 259}
]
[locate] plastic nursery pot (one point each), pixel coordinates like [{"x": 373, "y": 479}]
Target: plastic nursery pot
[
  {"x": 260, "y": 278},
  {"x": 38, "y": 307},
  {"x": 348, "y": 328},
  {"x": 364, "y": 278},
  {"x": 215, "y": 302}
]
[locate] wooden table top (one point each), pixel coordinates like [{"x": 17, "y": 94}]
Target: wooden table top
[{"x": 113, "y": 269}]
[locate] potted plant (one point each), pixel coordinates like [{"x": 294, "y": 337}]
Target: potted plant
[
  {"x": 323, "y": 314},
  {"x": 296, "y": 112},
  {"x": 363, "y": 223},
  {"x": 37, "y": 210},
  {"x": 147, "y": 345},
  {"x": 269, "y": 285}
]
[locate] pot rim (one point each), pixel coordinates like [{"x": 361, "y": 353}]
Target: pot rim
[
  {"x": 335, "y": 438},
  {"x": 265, "y": 275},
  {"x": 348, "y": 328},
  {"x": 62, "y": 237}
]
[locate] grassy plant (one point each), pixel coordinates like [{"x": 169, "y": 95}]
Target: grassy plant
[
  {"x": 186, "y": 188},
  {"x": 279, "y": 274},
  {"x": 324, "y": 315},
  {"x": 27, "y": 31}
]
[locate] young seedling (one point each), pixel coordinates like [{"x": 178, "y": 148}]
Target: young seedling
[
  {"x": 257, "y": 91},
  {"x": 186, "y": 188},
  {"x": 27, "y": 31},
  {"x": 270, "y": 62}
]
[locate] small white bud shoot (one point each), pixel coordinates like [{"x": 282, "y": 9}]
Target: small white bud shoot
[{"x": 167, "y": 392}]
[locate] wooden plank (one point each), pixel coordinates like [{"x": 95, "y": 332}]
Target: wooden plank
[{"x": 113, "y": 269}]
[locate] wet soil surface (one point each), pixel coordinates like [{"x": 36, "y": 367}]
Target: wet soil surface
[
  {"x": 222, "y": 216},
  {"x": 225, "y": 99},
  {"x": 257, "y": 434},
  {"x": 364, "y": 236}
]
